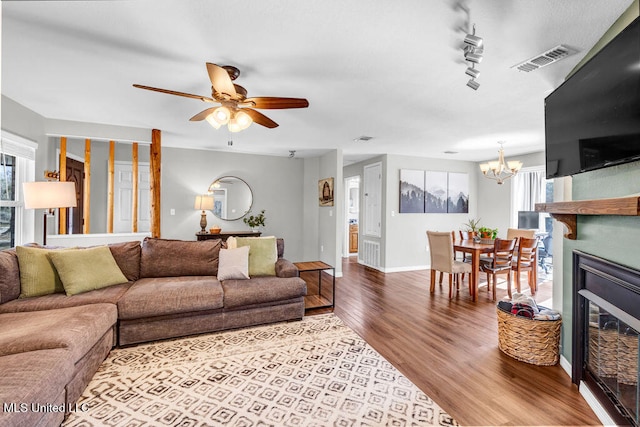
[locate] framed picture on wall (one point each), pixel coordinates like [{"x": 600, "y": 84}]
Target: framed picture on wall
[
  {"x": 435, "y": 198},
  {"x": 458, "y": 193},
  {"x": 411, "y": 191},
  {"x": 325, "y": 192}
]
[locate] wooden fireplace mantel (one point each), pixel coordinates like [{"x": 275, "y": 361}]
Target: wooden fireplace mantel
[{"x": 567, "y": 212}]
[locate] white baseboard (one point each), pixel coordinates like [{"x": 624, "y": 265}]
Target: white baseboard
[
  {"x": 565, "y": 364},
  {"x": 597, "y": 408},
  {"x": 401, "y": 269}
]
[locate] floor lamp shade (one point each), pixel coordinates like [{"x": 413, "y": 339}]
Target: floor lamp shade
[{"x": 49, "y": 194}]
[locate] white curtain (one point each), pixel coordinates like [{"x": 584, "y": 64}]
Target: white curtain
[{"x": 527, "y": 189}]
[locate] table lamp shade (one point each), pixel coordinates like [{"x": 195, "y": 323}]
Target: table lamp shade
[
  {"x": 204, "y": 203},
  {"x": 49, "y": 194}
]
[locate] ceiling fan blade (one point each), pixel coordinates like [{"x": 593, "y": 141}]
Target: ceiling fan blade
[
  {"x": 202, "y": 114},
  {"x": 221, "y": 81},
  {"x": 173, "y": 92},
  {"x": 260, "y": 118},
  {"x": 266, "y": 102}
]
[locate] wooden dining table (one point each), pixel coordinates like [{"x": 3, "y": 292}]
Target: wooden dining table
[{"x": 475, "y": 249}]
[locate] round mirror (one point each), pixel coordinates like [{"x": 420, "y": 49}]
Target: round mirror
[{"x": 232, "y": 198}]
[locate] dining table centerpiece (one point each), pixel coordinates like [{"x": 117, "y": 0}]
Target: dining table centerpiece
[{"x": 487, "y": 235}]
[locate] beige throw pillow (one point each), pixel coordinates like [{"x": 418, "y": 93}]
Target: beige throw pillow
[
  {"x": 38, "y": 276},
  {"x": 234, "y": 264},
  {"x": 263, "y": 254},
  {"x": 83, "y": 270}
]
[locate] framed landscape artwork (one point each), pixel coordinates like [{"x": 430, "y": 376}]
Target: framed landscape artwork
[
  {"x": 433, "y": 192},
  {"x": 411, "y": 191}
]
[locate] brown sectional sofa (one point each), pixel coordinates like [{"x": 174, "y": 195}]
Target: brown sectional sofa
[{"x": 52, "y": 345}]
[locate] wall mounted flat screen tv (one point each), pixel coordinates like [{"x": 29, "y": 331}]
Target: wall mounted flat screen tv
[{"x": 592, "y": 120}]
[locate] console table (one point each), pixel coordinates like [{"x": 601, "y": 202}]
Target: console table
[
  {"x": 224, "y": 235},
  {"x": 312, "y": 299}
]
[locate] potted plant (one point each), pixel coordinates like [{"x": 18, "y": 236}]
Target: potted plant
[
  {"x": 472, "y": 225},
  {"x": 487, "y": 233},
  {"x": 255, "y": 221}
]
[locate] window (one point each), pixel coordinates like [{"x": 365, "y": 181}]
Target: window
[
  {"x": 530, "y": 187},
  {"x": 16, "y": 166}
]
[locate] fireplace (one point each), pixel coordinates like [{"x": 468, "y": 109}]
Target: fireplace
[{"x": 606, "y": 321}]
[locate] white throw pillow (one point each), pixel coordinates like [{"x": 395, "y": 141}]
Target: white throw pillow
[{"x": 234, "y": 263}]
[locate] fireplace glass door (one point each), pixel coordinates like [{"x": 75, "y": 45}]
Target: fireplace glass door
[{"x": 611, "y": 356}]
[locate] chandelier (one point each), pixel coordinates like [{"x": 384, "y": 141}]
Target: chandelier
[{"x": 500, "y": 170}]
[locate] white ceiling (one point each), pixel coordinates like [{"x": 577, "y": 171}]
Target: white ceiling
[{"x": 392, "y": 70}]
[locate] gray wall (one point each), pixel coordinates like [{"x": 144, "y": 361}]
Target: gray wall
[
  {"x": 330, "y": 221},
  {"x": 276, "y": 182}
]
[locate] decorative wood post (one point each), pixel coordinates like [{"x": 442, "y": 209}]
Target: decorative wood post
[
  {"x": 62, "y": 212},
  {"x": 86, "y": 212},
  {"x": 154, "y": 165}
]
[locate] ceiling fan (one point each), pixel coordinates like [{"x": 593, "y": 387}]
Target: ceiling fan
[{"x": 236, "y": 110}]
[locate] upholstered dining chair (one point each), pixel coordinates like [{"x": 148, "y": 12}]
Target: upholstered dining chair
[
  {"x": 525, "y": 261},
  {"x": 441, "y": 253},
  {"x": 513, "y": 233},
  {"x": 500, "y": 262}
]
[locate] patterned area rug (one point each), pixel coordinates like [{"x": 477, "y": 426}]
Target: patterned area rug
[{"x": 316, "y": 372}]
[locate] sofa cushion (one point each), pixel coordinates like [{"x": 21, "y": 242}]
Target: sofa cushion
[
  {"x": 9, "y": 276},
  {"x": 160, "y": 296},
  {"x": 35, "y": 377},
  {"x": 258, "y": 290},
  {"x": 109, "y": 295},
  {"x": 38, "y": 275},
  {"x": 75, "y": 329},
  {"x": 83, "y": 270},
  {"x": 234, "y": 263},
  {"x": 172, "y": 258},
  {"x": 263, "y": 254},
  {"x": 127, "y": 256}
]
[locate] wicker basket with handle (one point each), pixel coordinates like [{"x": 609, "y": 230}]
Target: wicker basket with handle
[{"x": 529, "y": 340}]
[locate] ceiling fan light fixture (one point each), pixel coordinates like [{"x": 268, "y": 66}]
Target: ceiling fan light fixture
[
  {"x": 212, "y": 121},
  {"x": 222, "y": 115},
  {"x": 242, "y": 119}
]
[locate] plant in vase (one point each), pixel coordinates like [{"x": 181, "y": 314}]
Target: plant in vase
[
  {"x": 488, "y": 233},
  {"x": 255, "y": 221},
  {"x": 472, "y": 225}
]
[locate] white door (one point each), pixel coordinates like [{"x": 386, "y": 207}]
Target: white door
[
  {"x": 372, "y": 186},
  {"x": 123, "y": 198}
]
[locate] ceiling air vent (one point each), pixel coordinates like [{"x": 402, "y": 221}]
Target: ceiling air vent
[
  {"x": 542, "y": 60},
  {"x": 363, "y": 138}
]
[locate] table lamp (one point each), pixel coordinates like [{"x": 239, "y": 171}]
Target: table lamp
[
  {"x": 49, "y": 195},
  {"x": 203, "y": 203}
]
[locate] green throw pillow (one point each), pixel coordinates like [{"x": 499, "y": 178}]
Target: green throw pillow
[
  {"x": 263, "y": 254},
  {"x": 83, "y": 270},
  {"x": 38, "y": 276}
]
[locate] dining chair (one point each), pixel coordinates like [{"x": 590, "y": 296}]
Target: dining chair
[
  {"x": 526, "y": 261},
  {"x": 513, "y": 233},
  {"x": 500, "y": 263},
  {"x": 441, "y": 253}
]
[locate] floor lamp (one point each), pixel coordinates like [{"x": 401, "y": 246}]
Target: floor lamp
[{"x": 49, "y": 195}]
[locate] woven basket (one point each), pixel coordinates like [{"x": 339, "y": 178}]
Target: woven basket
[
  {"x": 613, "y": 354},
  {"x": 528, "y": 340}
]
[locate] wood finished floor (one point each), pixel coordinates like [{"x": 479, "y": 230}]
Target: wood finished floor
[{"x": 449, "y": 349}]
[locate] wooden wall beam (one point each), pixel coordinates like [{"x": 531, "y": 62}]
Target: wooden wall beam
[
  {"x": 62, "y": 212},
  {"x": 110, "y": 185},
  {"x": 86, "y": 194},
  {"x": 154, "y": 172},
  {"x": 134, "y": 190}
]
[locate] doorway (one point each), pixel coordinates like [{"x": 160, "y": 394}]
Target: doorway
[
  {"x": 75, "y": 216},
  {"x": 352, "y": 215}
]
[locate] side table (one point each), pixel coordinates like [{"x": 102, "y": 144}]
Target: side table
[{"x": 312, "y": 299}]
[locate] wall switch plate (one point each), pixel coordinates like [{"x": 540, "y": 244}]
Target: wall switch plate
[
  {"x": 172, "y": 212},
  {"x": 321, "y": 248}
]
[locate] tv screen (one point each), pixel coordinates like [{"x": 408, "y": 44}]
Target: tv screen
[
  {"x": 592, "y": 120},
  {"x": 528, "y": 220}
]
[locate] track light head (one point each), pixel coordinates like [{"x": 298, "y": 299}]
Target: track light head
[
  {"x": 292, "y": 154},
  {"x": 472, "y": 72},
  {"x": 473, "y": 57},
  {"x": 473, "y": 40},
  {"x": 473, "y": 84}
]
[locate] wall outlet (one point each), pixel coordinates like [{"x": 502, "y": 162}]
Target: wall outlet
[
  {"x": 321, "y": 248},
  {"x": 172, "y": 212}
]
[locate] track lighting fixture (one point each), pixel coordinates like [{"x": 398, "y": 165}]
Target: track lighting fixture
[
  {"x": 292, "y": 154},
  {"x": 473, "y": 50}
]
